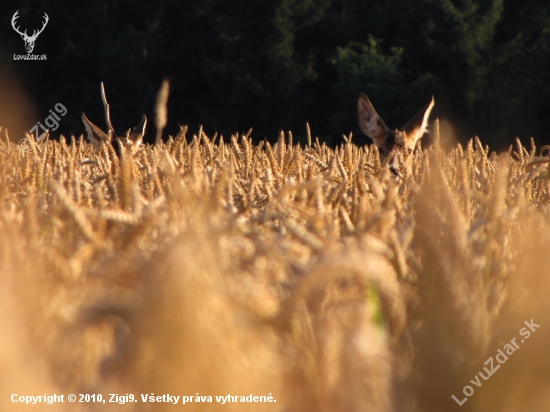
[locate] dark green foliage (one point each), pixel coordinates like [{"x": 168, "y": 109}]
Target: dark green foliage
[{"x": 275, "y": 65}]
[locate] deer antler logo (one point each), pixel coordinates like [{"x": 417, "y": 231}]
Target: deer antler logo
[{"x": 29, "y": 40}]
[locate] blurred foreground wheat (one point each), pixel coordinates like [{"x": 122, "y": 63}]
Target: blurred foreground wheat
[{"x": 207, "y": 267}]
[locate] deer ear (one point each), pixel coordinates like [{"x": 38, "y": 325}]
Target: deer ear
[
  {"x": 417, "y": 126},
  {"x": 95, "y": 134},
  {"x": 369, "y": 121},
  {"x": 136, "y": 134}
]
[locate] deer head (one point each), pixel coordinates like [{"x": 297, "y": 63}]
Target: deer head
[
  {"x": 396, "y": 142},
  {"x": 29, "y": 40},
  {"x": 132, "y": 138}
]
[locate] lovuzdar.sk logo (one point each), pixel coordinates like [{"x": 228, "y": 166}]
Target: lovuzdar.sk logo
[{"x": 29, "y": 40}]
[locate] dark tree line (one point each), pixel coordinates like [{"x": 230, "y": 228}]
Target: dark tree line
[{"x": 271, "y": 65}]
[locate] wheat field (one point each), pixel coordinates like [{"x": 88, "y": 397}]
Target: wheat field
[{"x": 204, "y": 267}]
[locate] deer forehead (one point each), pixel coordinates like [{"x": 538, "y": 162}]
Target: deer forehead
[{"x": 397, "y": 139}]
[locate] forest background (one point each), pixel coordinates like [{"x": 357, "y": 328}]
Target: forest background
[{"x": 278, "y": 64}]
